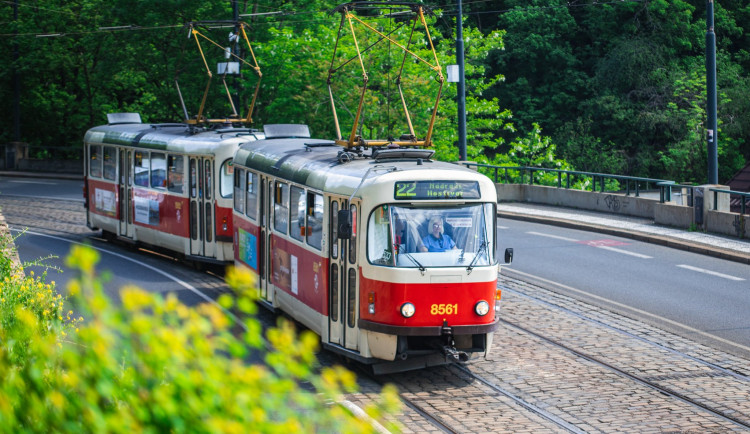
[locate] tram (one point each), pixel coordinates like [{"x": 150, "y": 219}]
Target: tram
[
  {"x": 389, "y": 255},
  {"x": 163, "y": 185}
]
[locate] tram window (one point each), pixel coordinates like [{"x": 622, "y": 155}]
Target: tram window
[
  {"x": 252, "y": 195},
  {"x": 141, "y": 168},
  {"x": 193, "y": 220},
  {"x": 110, "y": 163},
  {"x": 209, "y": 180},
  {"x": 352, "y": 298},
  {"x": 281, "y": 207},
  {"x": 95, "y": 161},
  {"x": 193, "y": 179},
  {"x": 333, "y": 311},
  {"x": 209, "y": 224},
  {"x": 315, "y": 220},
  {"x": 353, "y": 239},
  {"x": 297, "y": 210},
  {"x": 239, "y": 194},
  {"x": 175, "y": 173},
  {"x": 334, "y": 241},
  {"x": 227, "y": 175},
  {"x": 158, "y": 170}
]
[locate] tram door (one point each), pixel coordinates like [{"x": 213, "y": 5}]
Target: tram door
[
  {"x": 201, "y": 207},
  {"x": 343, "y": 292},
  {"x": 125, "y": 193},
  {"x": 264, "y": 241}
]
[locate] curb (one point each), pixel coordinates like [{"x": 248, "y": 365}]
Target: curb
[
  {"x": 47, "y": 175},
  {"x": 702, "y": 249}
]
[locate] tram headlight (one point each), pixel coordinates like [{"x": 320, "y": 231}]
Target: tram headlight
[
  {"x": 482, "y": 308},
  {"x": 407, "y": 310}
]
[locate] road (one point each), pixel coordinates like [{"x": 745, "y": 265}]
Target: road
[
  {"x": 47, "y": 231},
  {"x": 700, "y": 297}
]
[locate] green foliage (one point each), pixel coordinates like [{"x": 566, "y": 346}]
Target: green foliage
[
  {"x": 617, "y": 86},
  {"x": 156, "y": 365}
]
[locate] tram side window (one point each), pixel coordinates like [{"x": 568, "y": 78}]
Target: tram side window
[
  {"x": 141, "y": 165},
  {"x": 209, "y": 184},
  {"x": 110, "y": 163},
  {"x": 281, "y": 207},
  {"x": 158, "y": 170},
  {"x": 297, "y": 211},
  {"x": 95, "y": 161},
  {"x": 315, "y": 220},
  {"x": 175, "y": 173},
  {"x": 239, "y": 194},
  {"x": 252, "y": 195},
  {"x": 353, "y": 239},
  {"x": 227, "y": 178}
]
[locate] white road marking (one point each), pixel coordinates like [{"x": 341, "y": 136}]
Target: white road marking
[
  {"x": 34, "y": 182},
  {"x": 626, "y": 252},
  {"x": 150, "y": 267},
  {"x": 557, "y": 237},
  {"x": 503, "y": 227},
  {"x": 642, "y": 312},
  {"x": 712, "y": 273}
]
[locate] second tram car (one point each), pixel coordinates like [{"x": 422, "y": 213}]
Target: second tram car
[
  {"x": 163, "y": 185},
  {"x": 389, "y": 256}
]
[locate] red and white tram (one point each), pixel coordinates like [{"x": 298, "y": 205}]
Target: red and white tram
[
  {"x": 389, "y": 256},
  {"x": 164, "y": 185}
]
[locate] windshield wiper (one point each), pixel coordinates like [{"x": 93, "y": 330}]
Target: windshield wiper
[
  {"x": 421, "y": 267},
  {"x": 483, "y": 248}
]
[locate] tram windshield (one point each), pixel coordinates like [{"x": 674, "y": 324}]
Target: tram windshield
[{"x": 421, "y": 237}]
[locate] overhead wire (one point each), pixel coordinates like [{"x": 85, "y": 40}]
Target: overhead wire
[{"x": 274, "y": 19}]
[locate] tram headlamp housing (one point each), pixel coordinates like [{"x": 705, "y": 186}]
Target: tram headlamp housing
[
  {"x": 407, "y": 310},
  {"x": 482, "y": 308}
]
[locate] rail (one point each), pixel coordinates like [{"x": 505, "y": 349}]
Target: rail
[
  {"x": 665, "y": 191},
  {"x": 601, "y": 177},
  {"x": 744, "y": 197}
]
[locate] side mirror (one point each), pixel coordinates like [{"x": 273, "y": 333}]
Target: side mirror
[
  {"x": 344, "y": 229},
  {"x": 508, "y": 255}
]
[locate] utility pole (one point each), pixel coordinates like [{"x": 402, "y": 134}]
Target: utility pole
[
  {"x": 461, "y": 85},
  {"x": 16, "y": 81},
  {"x": 712, "y": 123},
  {"x": 236, "y": 51}
]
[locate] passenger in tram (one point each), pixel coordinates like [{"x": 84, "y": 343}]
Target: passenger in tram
[
  {"x": 399, "y": 235},
  {"x": 437, "y": 240}
]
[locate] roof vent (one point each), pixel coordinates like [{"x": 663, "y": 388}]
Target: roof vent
[
  {"x": 123, "y": 118},
  {"x": 286, "y": 131},
  {"x": 402, "y": 153}
]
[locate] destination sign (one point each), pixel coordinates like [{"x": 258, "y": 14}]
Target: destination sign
[{"x": 431, "y": 190}]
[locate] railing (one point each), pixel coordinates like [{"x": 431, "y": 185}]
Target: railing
[
  {"x": 601, "y": 177},
  {"x": 744, "y": 197},
  {"x": 665, "y": 191}
]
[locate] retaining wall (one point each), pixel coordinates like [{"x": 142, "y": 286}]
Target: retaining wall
[{"x": 669, "y": 214}]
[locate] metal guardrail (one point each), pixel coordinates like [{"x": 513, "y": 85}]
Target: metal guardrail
[
  {"x": 665, "y": 186},
  {"x": 665, "y": 191},
  {"x": 744, "y": 197},
  {"x": 601, "y": 177}
]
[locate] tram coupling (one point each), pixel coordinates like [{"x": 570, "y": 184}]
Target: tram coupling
[{"x": 454, "y": 355}]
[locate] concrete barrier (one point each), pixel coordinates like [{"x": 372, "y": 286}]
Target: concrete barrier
[
  {"x": 670, "y": 214},
  {"x": 593, "y": 201},
  {"x": 705, "y": 218}
]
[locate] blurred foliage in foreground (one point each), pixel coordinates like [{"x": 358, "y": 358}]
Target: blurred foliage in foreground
[{"x": 156, "y": 365}]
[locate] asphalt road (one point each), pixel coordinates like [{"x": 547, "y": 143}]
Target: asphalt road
[
  {"x": 700, "y": 297},
  {"x": 703, "y": 298}
]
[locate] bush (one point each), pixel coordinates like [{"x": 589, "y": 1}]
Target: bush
[{"x": 156, "y": 365}]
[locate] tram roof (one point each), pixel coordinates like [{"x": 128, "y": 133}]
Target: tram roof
[
  {"x": 315, "y": 162},
  {"x": 168, "y": 137}
]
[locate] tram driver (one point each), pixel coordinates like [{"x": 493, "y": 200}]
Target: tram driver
[{"x": 437, "y": 240}]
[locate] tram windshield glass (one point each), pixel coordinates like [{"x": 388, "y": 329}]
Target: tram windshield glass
[{"x": 421, "y": 237}]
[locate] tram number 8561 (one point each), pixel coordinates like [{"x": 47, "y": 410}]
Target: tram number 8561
[{"x": 444, "y": 309}]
